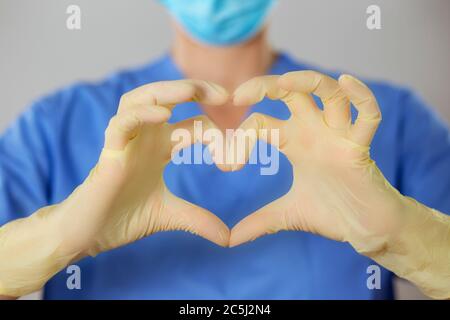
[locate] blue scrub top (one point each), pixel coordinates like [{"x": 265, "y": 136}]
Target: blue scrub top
[{"x": 50, "y": 149}]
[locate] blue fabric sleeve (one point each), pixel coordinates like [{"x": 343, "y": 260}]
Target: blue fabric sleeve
[
  {"x": 425, "y": 154},
  {"x": 24, "y": 166}
]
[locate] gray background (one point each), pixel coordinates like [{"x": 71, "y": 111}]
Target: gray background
[{"x": 39, "y": 55}]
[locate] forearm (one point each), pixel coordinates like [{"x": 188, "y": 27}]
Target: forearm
[
  {"x": 31, "y": 252},
  {"x": 420, "y": 250}
]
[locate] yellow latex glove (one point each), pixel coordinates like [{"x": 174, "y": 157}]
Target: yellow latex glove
[
  {"x": 123, "y": 199},
  {"x": 338, "y": 191}
]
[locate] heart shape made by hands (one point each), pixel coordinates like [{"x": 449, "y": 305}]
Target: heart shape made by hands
[{"x": 332, "y": 169}]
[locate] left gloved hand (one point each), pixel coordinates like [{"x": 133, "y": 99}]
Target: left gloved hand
[{"x": 338, "y": 191}]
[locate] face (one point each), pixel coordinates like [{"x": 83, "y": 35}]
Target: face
[{"x": 220, "y": 22}]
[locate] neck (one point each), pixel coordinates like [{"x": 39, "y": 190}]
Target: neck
[{"x": 226, "y": 66}]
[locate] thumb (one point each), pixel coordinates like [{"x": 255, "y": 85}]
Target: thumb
[
  {"x": 267, "y": 220},
  {"x": 123, "y": 127},
  {"x": 182, "y": 215}
]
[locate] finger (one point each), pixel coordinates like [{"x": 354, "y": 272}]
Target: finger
[
  {"x": 267, "y": 220},
  {"x": 369, "y": 114},
  {"x": 232, "y": 150},
  {"x": 256, "y": 89},
  {"x": 182, "y": 215},
  {"x": 335, "y": 102},
  {"x": 191, "y": 131},
  {"x": 256, "y": 127},
  {"x": 222, "y": 146},
  {"x": 124, "y": 127},
  {"x": 170, "y": 93},
  {"x": 260, "y": 122}
]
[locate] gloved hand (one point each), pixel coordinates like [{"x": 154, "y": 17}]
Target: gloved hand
[
  {"x": 123, "y": 199},
  {"x": 338, "y": 191}
]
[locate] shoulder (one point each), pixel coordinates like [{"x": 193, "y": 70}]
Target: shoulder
[
  {"x": 97, "y": 97},
  {"x": 80, "y": 110},
  {"x": 395, "y": 100}
]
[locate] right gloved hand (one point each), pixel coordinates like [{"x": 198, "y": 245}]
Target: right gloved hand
[{"x": 123, "y": 199}]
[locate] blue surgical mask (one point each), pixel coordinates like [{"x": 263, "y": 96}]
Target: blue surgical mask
[{"x": 220, "y": 22}]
